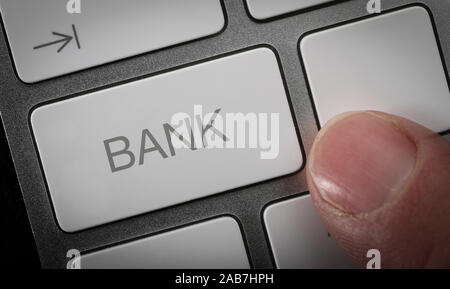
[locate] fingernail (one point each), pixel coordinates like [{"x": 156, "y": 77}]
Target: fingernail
[{"x": 361, "y": 161}]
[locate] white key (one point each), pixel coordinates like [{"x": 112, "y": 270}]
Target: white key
[
  {"x": 298, "y": 237},
  {"x": 389, "y": 62},
  {"x": 264, "y": 9},
  {"x": 213, "y": 244},
  {"x": 103, "y": 31},
  {"x": 90, "y": 185}
]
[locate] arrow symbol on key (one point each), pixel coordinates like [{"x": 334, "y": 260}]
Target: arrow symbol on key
[{"x": 64, "y": 39}]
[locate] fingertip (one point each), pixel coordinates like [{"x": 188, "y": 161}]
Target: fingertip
[
  {"x": 378, "y": 180},
  {"x": 359, "y": 162}
]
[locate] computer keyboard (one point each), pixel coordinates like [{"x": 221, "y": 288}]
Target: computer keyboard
[{"x": 89, "y": 95}]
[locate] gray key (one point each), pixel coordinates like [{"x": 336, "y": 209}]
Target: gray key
[
  {"x": 55, "y": 40},
  {"x": 389, "y": 62},
  {"x": 214, "y": 244},
  {"x": 264, "y": 9},
  {"x": 298, "y": 237},
  {"x": 106, "y": 155}
]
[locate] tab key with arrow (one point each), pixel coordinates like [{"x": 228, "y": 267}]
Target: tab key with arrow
[{"x": 65, "y": 39}]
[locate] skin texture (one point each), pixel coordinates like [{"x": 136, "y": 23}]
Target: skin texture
[{"x": 382, "y": 182}]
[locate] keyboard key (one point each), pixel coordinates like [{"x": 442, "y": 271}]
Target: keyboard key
[
  {"x": 298, "y": 237},
  {"x": 213, "y": 244},
  {"x": 56, "y": 40},
  {"x": 264, "y": 9},
  {"x": 389, "y": 63},
  {"x": 106, "y": 155}
]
